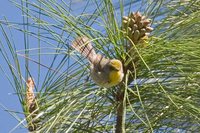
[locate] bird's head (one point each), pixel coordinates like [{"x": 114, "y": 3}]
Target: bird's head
[{"x": 115, "y": 65}]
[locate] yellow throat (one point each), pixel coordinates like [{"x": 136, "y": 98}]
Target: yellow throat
[{"x": 115, "y": 77}]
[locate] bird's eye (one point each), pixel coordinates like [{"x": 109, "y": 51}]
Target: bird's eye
[{"x": 113, "y": 68}]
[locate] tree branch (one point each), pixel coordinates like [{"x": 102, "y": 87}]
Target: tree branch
[{"x": 121, "y": 109}]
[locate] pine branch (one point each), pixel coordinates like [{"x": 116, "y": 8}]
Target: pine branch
[{"x": 121, "y": 110}]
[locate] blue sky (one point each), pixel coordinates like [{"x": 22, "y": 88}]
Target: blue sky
[{"x": 7, "y": 97}]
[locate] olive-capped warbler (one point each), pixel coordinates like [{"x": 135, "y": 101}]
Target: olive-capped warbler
[{"x": 105, "y": 72}]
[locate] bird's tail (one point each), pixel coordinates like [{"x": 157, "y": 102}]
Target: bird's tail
[{"x": 84, "y": 46}]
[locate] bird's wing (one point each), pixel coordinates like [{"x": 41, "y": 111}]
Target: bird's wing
[{"x": 84, "y": 46}]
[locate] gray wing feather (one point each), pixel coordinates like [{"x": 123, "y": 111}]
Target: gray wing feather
[{"x": 84, "y": 46}]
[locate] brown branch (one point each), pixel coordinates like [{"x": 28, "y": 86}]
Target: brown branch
[{"x": 121, "y": 108}]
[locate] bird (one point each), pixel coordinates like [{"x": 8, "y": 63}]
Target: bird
[{"x": 105, "y": 72}]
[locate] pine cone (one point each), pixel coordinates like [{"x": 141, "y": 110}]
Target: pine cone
[
  {"x": 31, "y": 105},
  {"x": 30, "y": 96},
  {"x": 136, "y": 26}
]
